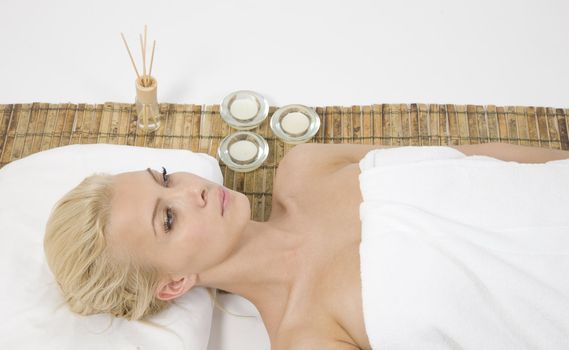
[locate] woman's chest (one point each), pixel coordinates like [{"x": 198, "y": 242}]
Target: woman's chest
[{"x": 328, "y": 303}]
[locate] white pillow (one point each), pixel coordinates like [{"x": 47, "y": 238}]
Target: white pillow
[{"x": 34, "y": 316}]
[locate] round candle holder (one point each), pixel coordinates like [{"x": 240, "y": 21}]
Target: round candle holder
[
  {"x": 295, "y": 134},
  {"x": 244, "y": 109},
  {"x": 242, "y": 160}
]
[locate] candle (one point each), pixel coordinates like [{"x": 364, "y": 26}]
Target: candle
[
  {"x": 295, "y": 123},
  {"x": 243, "y": 150},
  {"x": 244, "y": 108}
]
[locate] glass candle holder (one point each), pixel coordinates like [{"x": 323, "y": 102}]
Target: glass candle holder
[
  {"x": 244, "y": 109},
  {"x": 147, "y": 108},
  {"x": 295, "y": 124},
  {"x": 243, "y": 151}
]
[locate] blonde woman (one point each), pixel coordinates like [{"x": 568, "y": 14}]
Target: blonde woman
[{"x": 129, "y": 244}]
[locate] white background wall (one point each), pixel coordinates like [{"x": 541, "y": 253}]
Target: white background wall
[{"x": 292, "y": 51}]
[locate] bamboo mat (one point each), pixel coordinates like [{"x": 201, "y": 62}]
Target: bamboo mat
[{"x": 30, "y": 128}]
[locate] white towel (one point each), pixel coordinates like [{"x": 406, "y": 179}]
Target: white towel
[{"x": 463, "y": 252}]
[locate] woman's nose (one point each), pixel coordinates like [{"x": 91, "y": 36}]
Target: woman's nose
[{"x": 195, "y": 195}]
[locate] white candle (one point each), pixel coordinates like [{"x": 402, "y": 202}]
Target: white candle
[
  {"x": 295, "y": 123},
  {"x": 244, "y": 108},
  {"x": 243, "y": 150}
]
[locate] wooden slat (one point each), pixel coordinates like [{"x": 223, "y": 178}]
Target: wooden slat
[
  {"x": 482, "y": 123},
  {"x": 178, "y": 124},
  {"x": 532, "y": 127},
  {"x": 523, "y": 126},
  {"x": 121, "y": 125},
  {"x": 434, "y": 125},
  {"x": 512, "y": 125},
  {"x": 9, "y": 128},
  {"x": 473, "y": 134},
  {"x": 502, "y": 124},
  {"x": 562, "y": 125},
  {"x": 357, "y": 136},
  {"x": 542, "y": 127},
  {"x": 205, "y": 130},
  {"x": 21, "y": 132},
  {"x": 405, "y": 123},
  {"x": 396, "y": 126},
  {"x": 566, "y": 113},
  {"x": 81, "y": 123},
  {"x": 195, "y": 127},
  {"x": 453, "y": 125},
  {"x": 424, "y": 125},
  {"x": 67, "y": 125},
  {"x": 553, "y": 127},
  {"x": 378, "y": 124},
  {"x": 443, "y": 125},
  {"x": 346, "y": 123},
  {"x": 414, "y": 125},
  {"x": 336, "y": 124},
  {"x": 386, "y": 128},
  {"x": 34, "y": 126},
  {"x": 367, "y": 125},
  {"x": 492, "y": 119},
  {"x": 48, "y": 124}
]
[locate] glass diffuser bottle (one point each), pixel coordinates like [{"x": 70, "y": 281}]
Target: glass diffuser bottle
[{"x": 147, "y": 108}]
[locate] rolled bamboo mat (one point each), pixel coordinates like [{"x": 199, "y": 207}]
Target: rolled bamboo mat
[{"x": 35, "y": 127}]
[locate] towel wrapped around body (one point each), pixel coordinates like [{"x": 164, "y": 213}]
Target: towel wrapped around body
[{"x": 463, "y": 252}]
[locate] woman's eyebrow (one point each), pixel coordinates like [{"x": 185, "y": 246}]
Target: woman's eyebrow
[{"x": 153, "y": 217}]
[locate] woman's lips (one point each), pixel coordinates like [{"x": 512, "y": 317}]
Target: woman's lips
[
  {"x": 221, "y": 195},
  {"x": 223, "y": 199}
]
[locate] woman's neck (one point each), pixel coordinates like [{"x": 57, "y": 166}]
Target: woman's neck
[{"x": 264, "y": 268}]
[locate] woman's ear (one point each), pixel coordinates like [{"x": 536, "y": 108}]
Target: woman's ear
[{"x": 173, "y": 288}]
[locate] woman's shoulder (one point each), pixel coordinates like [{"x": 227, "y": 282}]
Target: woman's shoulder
[
  {"x": 312, "y": 158},
  {"x": 305, "y": 163}
]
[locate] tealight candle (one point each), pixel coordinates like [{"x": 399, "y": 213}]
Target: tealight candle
[
  {"x": 244, "y": 108},
  {"x": 243, "y": 150},
  {"x": 295, "y": 123}
]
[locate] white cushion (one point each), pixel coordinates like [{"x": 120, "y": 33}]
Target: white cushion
[{"x": 35, "y": 315}]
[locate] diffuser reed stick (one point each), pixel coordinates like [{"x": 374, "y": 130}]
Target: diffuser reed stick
[
  {"x": 131, "y": 59},
  {"x": 143, "y": 48},
  {"x": 144, "y": 55},
  {"x": 146, "y": 79},
  {"x": 152, "y": 58}
]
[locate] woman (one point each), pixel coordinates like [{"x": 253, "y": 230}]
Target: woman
[{"x": 150, "y": 236}]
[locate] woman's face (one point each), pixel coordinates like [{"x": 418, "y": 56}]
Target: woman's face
[{"x": 177, "y": 226}]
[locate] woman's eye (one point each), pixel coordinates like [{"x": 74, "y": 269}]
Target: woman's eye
[
  {"x": 168, "y": 220},
  {"x": 169, "y": 212},
  {"x": 165, "y": 177}
]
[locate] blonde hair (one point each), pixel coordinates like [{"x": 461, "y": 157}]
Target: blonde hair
[{"x": 91, "y": 279}]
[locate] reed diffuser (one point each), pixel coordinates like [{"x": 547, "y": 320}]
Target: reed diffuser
[{"x": 147, "y": 109}]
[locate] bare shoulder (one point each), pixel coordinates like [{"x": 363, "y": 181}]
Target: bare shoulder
[
  {"x": 314, "y": 157},
  {"x": 305, "y": 164},
  {"x": 335, "y": 153}
]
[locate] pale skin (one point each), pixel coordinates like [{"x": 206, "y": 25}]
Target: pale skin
[{"x": 264, "y": 262}]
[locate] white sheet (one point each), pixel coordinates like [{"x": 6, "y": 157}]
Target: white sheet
[
  {"x": 464, "y": 252},
  {"x": 237, "y": 333}
]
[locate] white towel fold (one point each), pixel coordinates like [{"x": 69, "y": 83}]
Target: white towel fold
[{"x": 463, "y": 252}]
